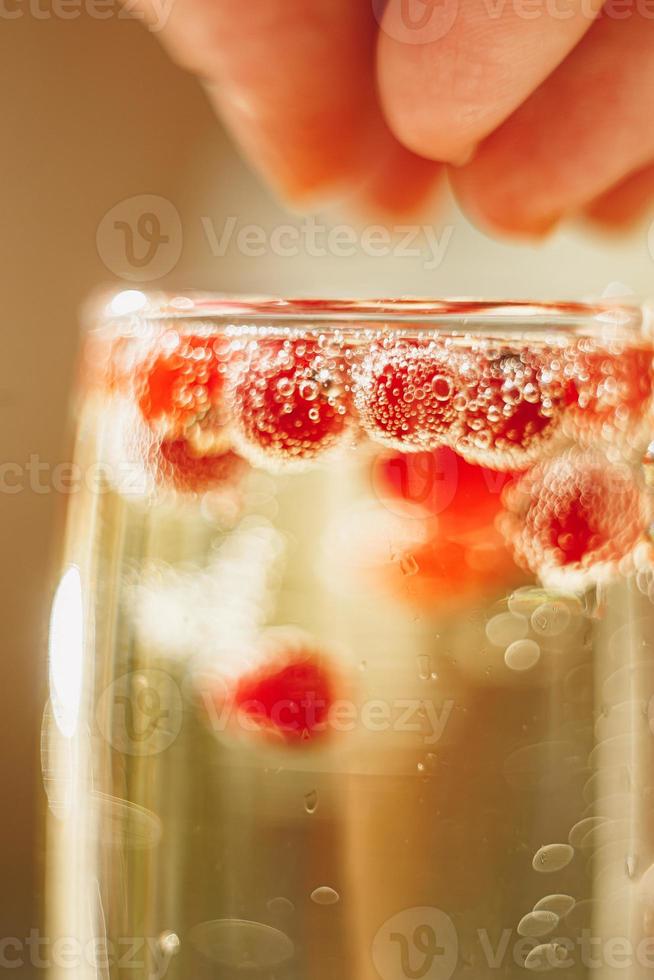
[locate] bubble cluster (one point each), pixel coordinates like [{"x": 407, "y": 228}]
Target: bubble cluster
[
  {"x": 290, "y": 401},
  {"x": 406, "y": 394},
  {"x": 577, "y": 512},
  {"x": 498, "y": 406}
]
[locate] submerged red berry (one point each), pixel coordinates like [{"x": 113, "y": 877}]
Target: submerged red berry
[
  {"x": 288, "y": 696},
  {"x": 440, "y": 484},
  {"x": 578, "y": 511},
  {"x": 291, "y": 400},
  {"x": 176, "y": 465},
  {"x": 406, "y": 394}
]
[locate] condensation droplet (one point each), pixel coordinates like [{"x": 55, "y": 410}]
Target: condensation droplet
[
  {"x": 552, "y": 857},
  {"x": 311, "y": 801},
  {"x": 424, "y": 667},
  {"x": 505, "y": 628},
  {"x": 325, "y": 895},
  {"x": 538, "y": 923},
  {"x": 522, "y": 655}
]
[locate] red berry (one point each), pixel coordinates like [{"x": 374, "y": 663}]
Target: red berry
[
  {"x": 442, "y": 484},
  {"x": 175, "y": 465},
  {"x": 514, "y": 407},
  {"x": 180, "y": 389},
  {"x": 406, "y": 394},
  {"x": 288, "y": 697},
  {"x": 614, "y": 391},
  {"x": 577, "y": 512},
  {"x": 182, "y": 382},
  {"x": 291, "y": 401}
]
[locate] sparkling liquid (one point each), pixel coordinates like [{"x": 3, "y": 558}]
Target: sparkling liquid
[{"x": 352, "y": 658}]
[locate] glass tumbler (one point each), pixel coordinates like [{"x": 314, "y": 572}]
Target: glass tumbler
[{"x": 352, "y": 649}]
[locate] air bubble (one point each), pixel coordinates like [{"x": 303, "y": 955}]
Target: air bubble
[
  {"x": 325, "y": 895},
  {"x": 280, "y": 906},
  {"x": 242, "y": 945},
  {"x": 409, "y": 566},
  {"x": 560, "y": 904},
  {"x": 582, "y": 828},
  {"x": 311, "y": 801},
  {"x": 522, "y": 655},
  {"x": 551, "y": 619},
  {"x": 505, "y": 628},
  {"x": 547, "y": 956},
  {"x": 538, "y": 923},
  {"x": 169, "y": 942},
  {"x": 552, "y": 857}
]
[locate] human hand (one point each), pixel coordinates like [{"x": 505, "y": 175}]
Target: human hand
[{"x": 539, "y": 109}]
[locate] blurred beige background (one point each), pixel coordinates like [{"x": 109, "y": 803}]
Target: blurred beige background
[{"x": 93, "y": 114}]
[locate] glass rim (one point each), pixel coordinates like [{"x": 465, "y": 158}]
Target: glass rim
[{"x": 125, "y": 307}]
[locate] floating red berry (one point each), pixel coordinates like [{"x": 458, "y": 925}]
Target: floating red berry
[
  {"x": 291, "y": 400},
  {"x": 614, "y": 387},
  {"x": 180, "y": 392},
  {"x": 514, "y": 406},
  {"x": 182, "y": 381},
  {"x": 406, "y": 395},
  {"x": 577, "y": 512}
]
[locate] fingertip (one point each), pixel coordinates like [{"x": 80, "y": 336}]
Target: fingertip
[
  {"x": 498, "y": 213},
  {"x": 403, "y": 186}
]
